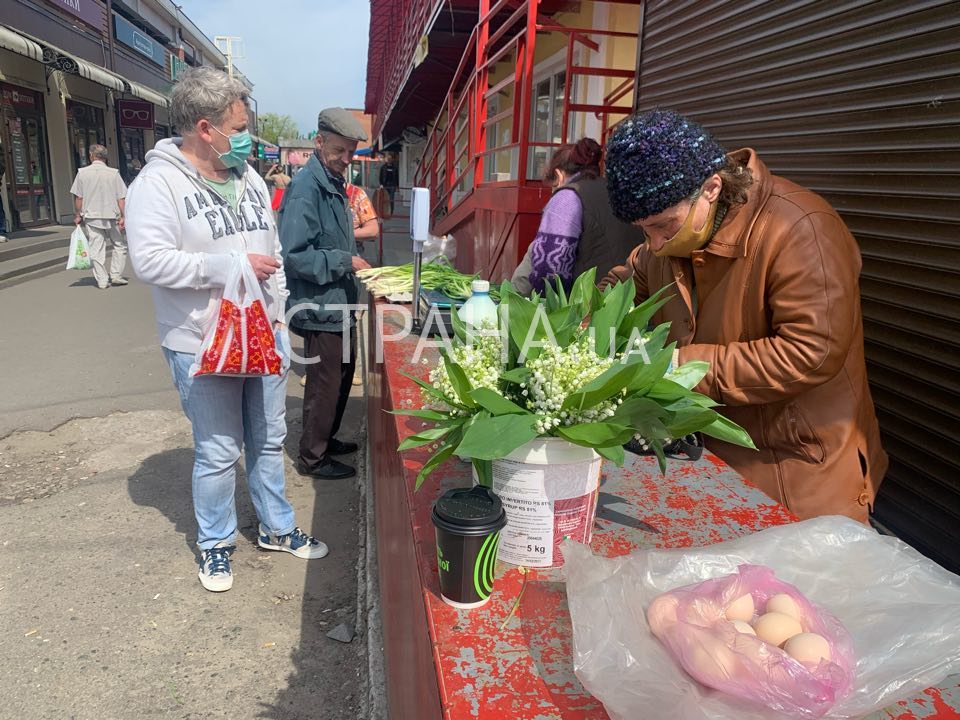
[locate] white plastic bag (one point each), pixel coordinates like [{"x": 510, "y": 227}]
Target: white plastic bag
[
  {"x": 79, "y": 257},
  {"x": 901, "y": 609},
  {"x": 434, "y": 247}
]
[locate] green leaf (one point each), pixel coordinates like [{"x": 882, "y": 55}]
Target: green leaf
[
  {"x": 459, "y": 327},
  {"x": 458, "y": 378},
  {"x": 607, "y": 319},
  {"x": 517, "y": 375},
  {"x": 424, "y": 437},
  {"x": 690, "y": 373},
  {"x": 729, "y": 431},
  {"x": 496, "y": 403},
  {"x": 551, "y": 296},
  {"x": 597, "y": 434},
  {"x": 666, "y": 391},
  {"x": 432, "y": 390},
  {"x": 650, "y": 374},
  {"x": 661, "y": 456},
  {"x": 424, "y": 414},
  {"x": 564, "y": 322},
  {"x": 639, "y": 317},
  {"x": 604, "y": 386},
  {"x": 637, "y": 411},
  {"x": 435, "y": 460},
  {"x": 484, "y": 470},
  {"x": 689, "y": 420},
  {"x": 521, "y": 314},
  {"x": 490, "y": 438},
  {"x": 614, "y": 453},
  {"x": 582, "y": 292}
]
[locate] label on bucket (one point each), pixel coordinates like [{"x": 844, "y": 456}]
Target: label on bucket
[{"x": 540, "y": 510}]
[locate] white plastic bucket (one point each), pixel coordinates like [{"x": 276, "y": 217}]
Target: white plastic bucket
[{"x": 549, "y": 491}]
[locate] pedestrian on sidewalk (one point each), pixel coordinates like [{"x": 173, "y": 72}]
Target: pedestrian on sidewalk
[
  {"x": 3, "y": 214},
  {"x": 98, "y": 197},
  {"x": 193, "y": 208},
  {"x": 390, "y": 178},
  {"x": 320, "y": 258}
]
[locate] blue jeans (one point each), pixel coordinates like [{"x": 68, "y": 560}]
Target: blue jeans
[{"x": 229, "y": 413}]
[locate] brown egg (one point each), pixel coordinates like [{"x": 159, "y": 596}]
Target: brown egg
[
  {"x": 776, "y": 628},
  {"x": 785, "y": 604},
  {"x": 662, "y": 613},
  {"x": 808, "y": 648},
  {"x": 740, "y": 609}
]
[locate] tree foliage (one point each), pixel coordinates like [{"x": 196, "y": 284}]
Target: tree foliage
[{"x": 271, "y": 127}]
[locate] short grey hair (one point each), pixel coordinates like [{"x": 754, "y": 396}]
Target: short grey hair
[
  {"x": 203, "y": 93},
  {"x": 98, "y": 152}
]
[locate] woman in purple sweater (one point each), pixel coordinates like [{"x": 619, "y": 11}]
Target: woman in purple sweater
[{"x": 578, "y": 229}]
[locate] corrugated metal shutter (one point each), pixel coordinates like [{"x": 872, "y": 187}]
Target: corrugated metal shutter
[{"x": 859, "y": 101}]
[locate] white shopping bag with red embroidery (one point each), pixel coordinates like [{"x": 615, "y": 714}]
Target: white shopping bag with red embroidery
[{"x": 240, "y": 341}]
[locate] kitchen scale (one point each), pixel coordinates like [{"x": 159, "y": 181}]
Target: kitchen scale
[{"x": 433, "y": 313}]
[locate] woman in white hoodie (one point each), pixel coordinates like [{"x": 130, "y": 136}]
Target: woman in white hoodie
[{"x": 194, "y": 209}]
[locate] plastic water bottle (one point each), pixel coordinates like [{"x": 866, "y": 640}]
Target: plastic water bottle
[{"x": 479, "y": 310}]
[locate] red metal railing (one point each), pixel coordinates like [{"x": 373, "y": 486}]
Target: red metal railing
[{"x": 463, "y": 142}]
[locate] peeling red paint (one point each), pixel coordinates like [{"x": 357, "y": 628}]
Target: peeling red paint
[{"x": 524, "y": 671}]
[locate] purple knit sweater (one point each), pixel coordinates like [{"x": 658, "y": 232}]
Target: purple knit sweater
[{"x": 554, "y": 249}]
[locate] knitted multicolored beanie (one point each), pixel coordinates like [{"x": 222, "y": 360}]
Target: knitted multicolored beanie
[{"x": 656, "y": 159}]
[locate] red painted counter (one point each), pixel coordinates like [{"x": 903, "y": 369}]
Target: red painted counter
[{"x": 459, "y": 665}]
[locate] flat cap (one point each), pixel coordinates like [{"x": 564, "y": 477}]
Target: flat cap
[{"x": 340, "y": 122}]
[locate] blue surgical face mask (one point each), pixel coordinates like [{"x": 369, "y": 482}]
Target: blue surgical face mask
[{"x": 240, "y": 146}]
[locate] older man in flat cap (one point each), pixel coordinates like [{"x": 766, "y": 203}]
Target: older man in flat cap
[{"x": 320, "y": 259}]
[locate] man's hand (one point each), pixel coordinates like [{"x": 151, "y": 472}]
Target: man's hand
[
  {"x": 263, "y": 265},
  {"x": 77, "y": 219},
  {"x": 359, "y": 263},
  {"x": 122, "y": 224}
]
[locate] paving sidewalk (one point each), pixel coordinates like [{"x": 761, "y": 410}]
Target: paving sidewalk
[
  {"x": 31, "y": 254},
  {"x": 101, "y": 612}
]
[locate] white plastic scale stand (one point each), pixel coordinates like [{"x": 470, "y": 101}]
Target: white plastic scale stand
[{"x": 419, "y": 231}]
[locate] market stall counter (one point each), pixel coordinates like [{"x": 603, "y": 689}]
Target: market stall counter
[{"x": 512, "y": 658}]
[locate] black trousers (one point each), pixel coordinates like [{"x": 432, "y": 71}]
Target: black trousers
[{"x": 327, "y": 391}]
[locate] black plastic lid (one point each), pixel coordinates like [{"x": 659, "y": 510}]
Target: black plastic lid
[{"x": 469, "y": 508}]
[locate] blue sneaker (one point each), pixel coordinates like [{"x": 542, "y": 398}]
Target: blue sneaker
[
  {"x": 296, "y": 543},
  {"x": 215, "y": 574}
]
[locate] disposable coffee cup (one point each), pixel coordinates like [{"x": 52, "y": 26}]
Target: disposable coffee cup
[{"x": 468, "y": 523}]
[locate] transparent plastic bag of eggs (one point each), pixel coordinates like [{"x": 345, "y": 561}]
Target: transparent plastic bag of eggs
[{"x": 730, "y": 632}]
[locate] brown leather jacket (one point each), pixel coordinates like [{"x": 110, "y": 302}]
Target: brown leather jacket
[{"x": 777, "y": 316}]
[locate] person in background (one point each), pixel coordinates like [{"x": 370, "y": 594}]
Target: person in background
[
  {"x": 578, "y": 229},
  {"x": 320, "y": 258},
  {"x": 195, "y": 210},
  {"x": 366, "y": 226},
  {"x": 3, "y": 214},
  {"x": 390, "y": 177},
  {"x": 765, "y": 289},
  {"x": 276, "y": 177},
  {"x": 99, "y": 194}
]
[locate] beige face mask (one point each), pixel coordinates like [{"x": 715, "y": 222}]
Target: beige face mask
[{"x": 686, "y": 239}]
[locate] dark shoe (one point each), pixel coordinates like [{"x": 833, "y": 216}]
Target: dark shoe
[
  {"x": 338, "y": 447},
  {"x": 328, "y": 469}
]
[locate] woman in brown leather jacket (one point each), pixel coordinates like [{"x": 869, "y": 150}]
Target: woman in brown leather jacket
[{"x": 766, "y": 291}]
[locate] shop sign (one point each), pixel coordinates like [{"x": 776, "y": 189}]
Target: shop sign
[
  {"x": 90, "y": 11},
  {"x": 134, "y": 37},
  {"x": 177, "y": 66},
  {"x": 19, "y": 98},
  {"x": 271, "y": 152},
  {"x": 135, "y": 114},
  {"x": 20, "y": 173}
]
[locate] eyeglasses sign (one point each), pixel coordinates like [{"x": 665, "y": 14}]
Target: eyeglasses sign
[{"x": 135, "y": 114}]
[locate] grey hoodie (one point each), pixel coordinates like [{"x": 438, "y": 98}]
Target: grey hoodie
[{"x": 183, "y": 238}]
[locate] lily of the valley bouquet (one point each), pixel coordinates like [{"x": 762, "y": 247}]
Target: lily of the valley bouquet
[{"x": 583, "y": 367}]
